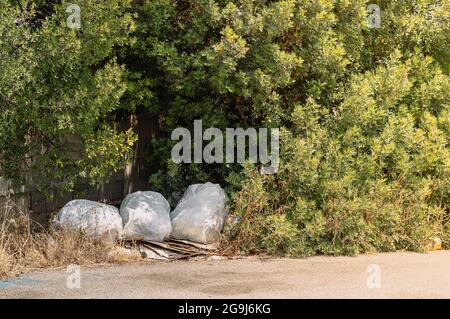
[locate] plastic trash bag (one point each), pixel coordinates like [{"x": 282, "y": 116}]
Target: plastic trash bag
[
  {"x": 146, "y": 216},
  {"x": 201, "y": 213},
  {"x": 95, "y": 219}
]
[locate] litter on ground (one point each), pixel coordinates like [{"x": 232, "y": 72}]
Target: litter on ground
[
  {"x": 148, "y": 227},
  {"x": 174, "y": 249}
]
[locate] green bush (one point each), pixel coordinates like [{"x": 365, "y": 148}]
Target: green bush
[
  {"x": 59, "y": 88},
  {"x": 372, "y": 175},
  {"x": 364, "y": 113}
]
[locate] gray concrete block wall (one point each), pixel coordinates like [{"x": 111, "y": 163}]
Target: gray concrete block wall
[
  {"x": 41, "y": 208},
  {"x": 133, "y": 178}
]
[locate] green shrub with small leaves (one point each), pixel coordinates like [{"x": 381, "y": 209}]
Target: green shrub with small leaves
[
  {"x": 371, "y": 175},
  {"x": 59, "y": 88},
  {"x": 364, "y": 112}
]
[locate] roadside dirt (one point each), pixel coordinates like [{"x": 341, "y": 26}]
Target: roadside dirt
[{"x": 394, "y": 275}]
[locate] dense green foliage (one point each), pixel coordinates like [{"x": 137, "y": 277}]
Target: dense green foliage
[
  {"x": 364, "y": 113},
  {"x": 374, "y": 175},
  {"x": 57, "y": 88}
]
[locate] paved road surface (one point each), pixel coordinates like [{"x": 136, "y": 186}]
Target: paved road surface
[{"x": 401, "y": 275}]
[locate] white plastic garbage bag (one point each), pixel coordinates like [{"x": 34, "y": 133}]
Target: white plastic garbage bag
[
  {"x": 95, "y": 219},
  {"x": 146, "y": 215},
  {"x": 200, "y": 214}
]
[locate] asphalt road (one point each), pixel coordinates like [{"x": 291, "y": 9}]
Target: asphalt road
[{"x": 395, "y": 275}]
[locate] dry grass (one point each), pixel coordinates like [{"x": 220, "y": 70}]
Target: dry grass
[{"x": 26, "y": 246}]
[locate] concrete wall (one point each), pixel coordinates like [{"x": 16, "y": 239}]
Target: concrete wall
[
  {"x": 134, "y": 177},
  {"x": 40, "y": 207}
]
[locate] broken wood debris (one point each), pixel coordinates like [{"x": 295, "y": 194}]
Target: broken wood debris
[{"x": 175, "y": 249}]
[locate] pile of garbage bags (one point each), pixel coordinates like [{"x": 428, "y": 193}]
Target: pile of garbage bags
[
  {"x": 198, "y": 217},
  {"x": 200, "y": 214},
  {"x": 146, "y": 216},
  {"x": 95, "y": 219}
]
